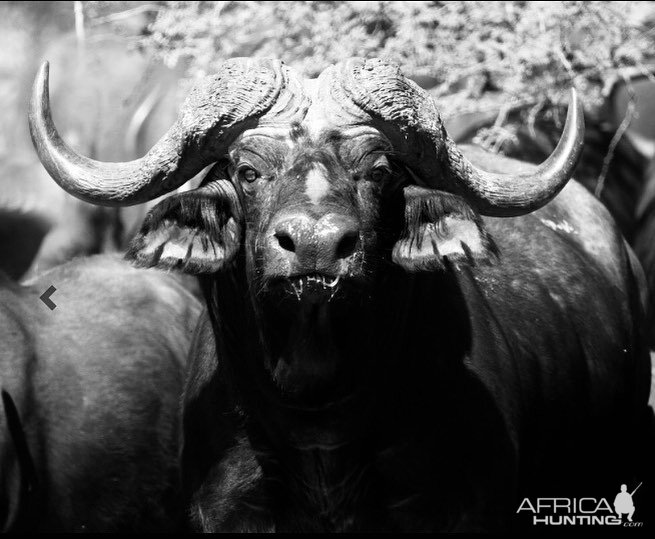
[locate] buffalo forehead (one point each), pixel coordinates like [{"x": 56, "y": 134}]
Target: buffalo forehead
[
  {"x": 277, "y": 144},
  {"x": 322, "y": 115}
]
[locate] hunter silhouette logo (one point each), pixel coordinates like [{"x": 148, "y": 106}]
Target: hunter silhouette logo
[
  {"x": 582, "y": 511},
  {"x": 623, "y": 504}
]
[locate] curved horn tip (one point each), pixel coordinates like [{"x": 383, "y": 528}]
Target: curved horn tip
[
  {"x": 510, "y": 195},
  {"x": 576, "y": 106},
  {"x": 43, "y": 76},
  {"x": 575, "y": 116},
  {"x": 45, "y": 67},
  {"x": 41, "y": 89}
]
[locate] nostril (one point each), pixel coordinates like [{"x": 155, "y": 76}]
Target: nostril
[
  {"x": 347, "y": 245},
  {"x": 285, "y": 241}
]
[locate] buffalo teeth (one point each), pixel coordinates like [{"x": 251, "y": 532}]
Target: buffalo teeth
[
  {"x": 323, "y": 281},
  {"x": 296, "y": 290},
  {"x": 334, "y": 289},
  {"x": 298, "y": 285}
]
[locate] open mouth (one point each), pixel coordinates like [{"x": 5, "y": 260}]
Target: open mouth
[{"x": 315, "y": 287}]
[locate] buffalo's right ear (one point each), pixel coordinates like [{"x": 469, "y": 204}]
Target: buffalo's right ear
[{"x": 196, "y": 232}]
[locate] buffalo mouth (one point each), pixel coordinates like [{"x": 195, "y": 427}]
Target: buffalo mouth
[
  {"x": 314, "y": 288},
  {"x": 312, "y": 335},
  {"x": 314, "y": 340}
]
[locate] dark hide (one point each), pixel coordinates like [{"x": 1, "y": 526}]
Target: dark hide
[
  {"x": 454, "y": 393},
  {"x": 17, "y": 467},
  {"x": 20, "y": 238},
  {"x": 645, "y": 241},
  {"x": 96, "y": 384}
]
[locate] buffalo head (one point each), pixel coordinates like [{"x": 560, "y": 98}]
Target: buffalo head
[{"x": 319, "y": 190}]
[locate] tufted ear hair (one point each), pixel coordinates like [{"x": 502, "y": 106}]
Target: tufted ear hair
[
  {"x": 438, "y": 226},
  {"x": 196, "y": 232}
]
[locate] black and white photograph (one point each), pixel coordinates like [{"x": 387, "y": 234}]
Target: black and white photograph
[{"x": 327, "y": 267}]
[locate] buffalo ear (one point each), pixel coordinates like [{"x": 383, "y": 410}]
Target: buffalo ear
[
  {"x": 195, "y": 232},
  {"x": 441, "y": 226}
]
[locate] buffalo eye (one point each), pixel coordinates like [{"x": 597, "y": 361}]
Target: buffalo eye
[
  {"x": 378, "y": 174},
  {"x": 380, "y": 171},
  {"x": 248, "y": 174}
]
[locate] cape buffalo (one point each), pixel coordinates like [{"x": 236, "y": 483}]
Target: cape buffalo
[
  {"x": 397, "y": 339},
  {"x": 90, "y": 390}
]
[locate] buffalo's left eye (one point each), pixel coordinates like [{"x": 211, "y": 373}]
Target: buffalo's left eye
[
  {"x": 248, "y": 174},
  {"x": 378, "y": 174}
]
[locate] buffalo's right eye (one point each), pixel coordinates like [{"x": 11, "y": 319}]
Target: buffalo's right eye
[
  {"x": 381, "y": 170},
  {"x": 248, "y": 174}
]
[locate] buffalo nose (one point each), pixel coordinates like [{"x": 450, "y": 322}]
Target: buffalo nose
[
  {"x": 336, "y": 236},
  {"x": 285, "y": 240},
  {"x": 316, "y": 244}
]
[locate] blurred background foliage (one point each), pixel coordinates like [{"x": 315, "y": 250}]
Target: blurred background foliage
[
  {"x": 529, "y": 51},
  {"x": 473, "y": 56}
]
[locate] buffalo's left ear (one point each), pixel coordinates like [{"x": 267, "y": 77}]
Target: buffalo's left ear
[
  {"x": 439, "y": 226},
  {"x": 196, "y": 232}
]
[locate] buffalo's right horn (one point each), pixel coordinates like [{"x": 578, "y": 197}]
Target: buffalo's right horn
[{"x": 212, "y": 115}]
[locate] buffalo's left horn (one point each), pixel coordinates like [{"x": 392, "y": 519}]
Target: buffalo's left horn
[
  {"x": 506, "y": 195},
  {"x": 218, "y": 107},
  {"x": 409, "y": 117}
]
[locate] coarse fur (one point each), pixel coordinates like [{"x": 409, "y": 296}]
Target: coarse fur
[{"x": 417, "y": 402}]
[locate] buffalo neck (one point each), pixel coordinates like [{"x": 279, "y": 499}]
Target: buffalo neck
[
  {"x": 382, "y": 337},
  {"x": 407, "y": 358}
]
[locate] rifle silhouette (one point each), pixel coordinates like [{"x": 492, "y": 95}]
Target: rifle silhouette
[{"x": 635, "y": 490}]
